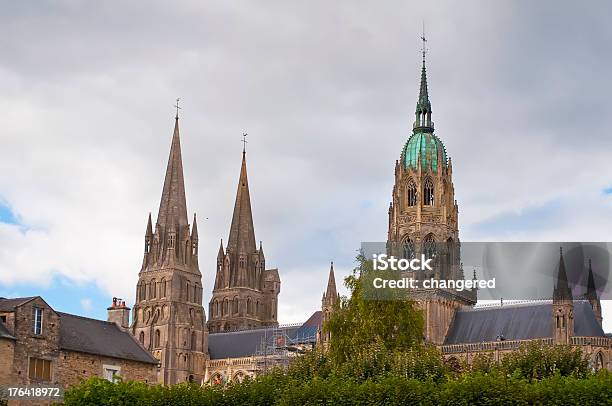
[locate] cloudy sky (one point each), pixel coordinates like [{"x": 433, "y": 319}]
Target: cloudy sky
[{"x": 326, "y": 91}]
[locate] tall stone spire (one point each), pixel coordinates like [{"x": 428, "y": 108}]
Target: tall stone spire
[
  {"x": 173, "y": 202},
  {"x": 245, "y": 293},
  {"x": 170, "y": 279},
  {"x": 562, "y": 289},
  {"x": 591, "y": 292},
  {"x": 242, "y": 231}
]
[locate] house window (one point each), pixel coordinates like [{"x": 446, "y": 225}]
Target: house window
[
  {"x": 111, "y": 372},
  {"x": 3, "y": 318},
  {"x": 37, "y": 314},
  {"x": 40, "y": 369}
]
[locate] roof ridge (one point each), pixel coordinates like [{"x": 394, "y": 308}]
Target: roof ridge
[{"x": 86, "y": 318}]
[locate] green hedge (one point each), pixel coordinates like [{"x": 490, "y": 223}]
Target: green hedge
[{"x": 468, "y": 389}]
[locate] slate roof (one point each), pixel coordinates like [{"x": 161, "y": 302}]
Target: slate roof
[
  {"x": 9, "y": 305},
  {"x": 517, "y": 322},
  {"x": 100, "y": 337},
  {"x": 4, "y": 333},
  {"x": 308, "y": 331},
  {"x": 246, "y": 343}
]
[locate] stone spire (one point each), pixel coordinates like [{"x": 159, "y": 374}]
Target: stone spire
[
  {"x": 173, "y": 202},
  {"x": 592, "y": 296},
  {"x": 591, "y": 293},
  {"x": 331, "y": 292},
  {"x": 562, "y": 289},
  {"x": 242, "y": 232},
  {"x": 423, "y": 123},
  {"x": 194, "y": 229}
]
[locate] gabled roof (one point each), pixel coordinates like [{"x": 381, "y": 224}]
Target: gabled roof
[
  {"x": 517, "y": 322},
  {"x": 82, "y": 334},
  {"x": 4, "y": 333},
  {"x": 9, "y": 305}
]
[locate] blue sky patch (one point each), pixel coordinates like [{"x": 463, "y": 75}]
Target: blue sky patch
[
  {"x": 6, "y": 214},
  {"x": 66, "y": 296},
  {"x": 608, "y": 191}
]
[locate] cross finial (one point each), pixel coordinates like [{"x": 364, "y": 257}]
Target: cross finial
[
  {"x": 424, "y": 47},
  {"x": 177, "y": 106},
  {"x": 244, "y": 142}
]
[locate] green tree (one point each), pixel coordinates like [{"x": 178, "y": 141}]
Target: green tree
[{"x": 360, "y": 326}]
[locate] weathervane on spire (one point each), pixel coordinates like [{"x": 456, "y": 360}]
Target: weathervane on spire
[
  {"x": 177, "y": 106},
  {"x": 424, "y": 47},
  {"x": 244, "y": 142}
]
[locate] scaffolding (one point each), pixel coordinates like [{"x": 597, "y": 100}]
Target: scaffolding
[{"x": 280, "y": 343}]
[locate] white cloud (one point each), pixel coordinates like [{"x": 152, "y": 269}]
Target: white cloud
[{"x": 326, "y": 93}]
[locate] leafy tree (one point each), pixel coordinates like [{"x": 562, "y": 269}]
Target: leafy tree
[{"x": 360, "y": 326}]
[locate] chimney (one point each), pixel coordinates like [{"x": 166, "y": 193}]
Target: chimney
[{"x": 119, "y": 314}]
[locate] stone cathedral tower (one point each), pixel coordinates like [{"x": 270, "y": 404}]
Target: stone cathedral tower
[
  {"x": 423, "y": 217},
  {"x": 245, "y": 294},
  {"x": 168, "y": 318}
]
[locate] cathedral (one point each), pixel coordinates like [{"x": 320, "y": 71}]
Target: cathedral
[
  {"x": 423, "y": 219},
  {"x": 241, "y": 335}
]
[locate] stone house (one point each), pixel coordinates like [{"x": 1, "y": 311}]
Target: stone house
[{"x": 40, "y": 346}]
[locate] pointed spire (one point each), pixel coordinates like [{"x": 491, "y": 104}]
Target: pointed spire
[
  {"x": 562, "y": 289},
  {"x": 591, "y": 293},
  {"x": 221, "y": 253},
  {"x": 242, "y": 231},
  {"x": 173, "y": 200},
  {"x": 194, "y": 229},
  {"x": 331, "y": 283},
  {"x": 149, "y": 232},
  {"x": 423, "y": 121}
]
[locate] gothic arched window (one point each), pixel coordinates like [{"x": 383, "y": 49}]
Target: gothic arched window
[
  {"x": 162, "y": 285},
  {"x": 194, "y": 340},
  {"x": 599, "y": 362},
  {"x": 411, "y": 193},
  {"x": 157, "y": 339},
  {"x": 408, "y": 249},
  {"x": 153, "y": 289},
  {"x": 429, "y": 246},
  {"x": 141, "y": 337},
  {"x": 235, "y": 306},
  {"x": 249, "y": 306},
  {"x": 428, "y": 193}
]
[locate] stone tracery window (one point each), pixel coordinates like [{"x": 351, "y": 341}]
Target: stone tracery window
[
  {"x": 428, "y": 193},
  {"x": 411, "y": 193},
  {"x": 429, "y": 246},
  {"x": 408, "y": 249}
]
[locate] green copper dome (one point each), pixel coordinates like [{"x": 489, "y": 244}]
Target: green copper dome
[{"x": 426, "y": 146}]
